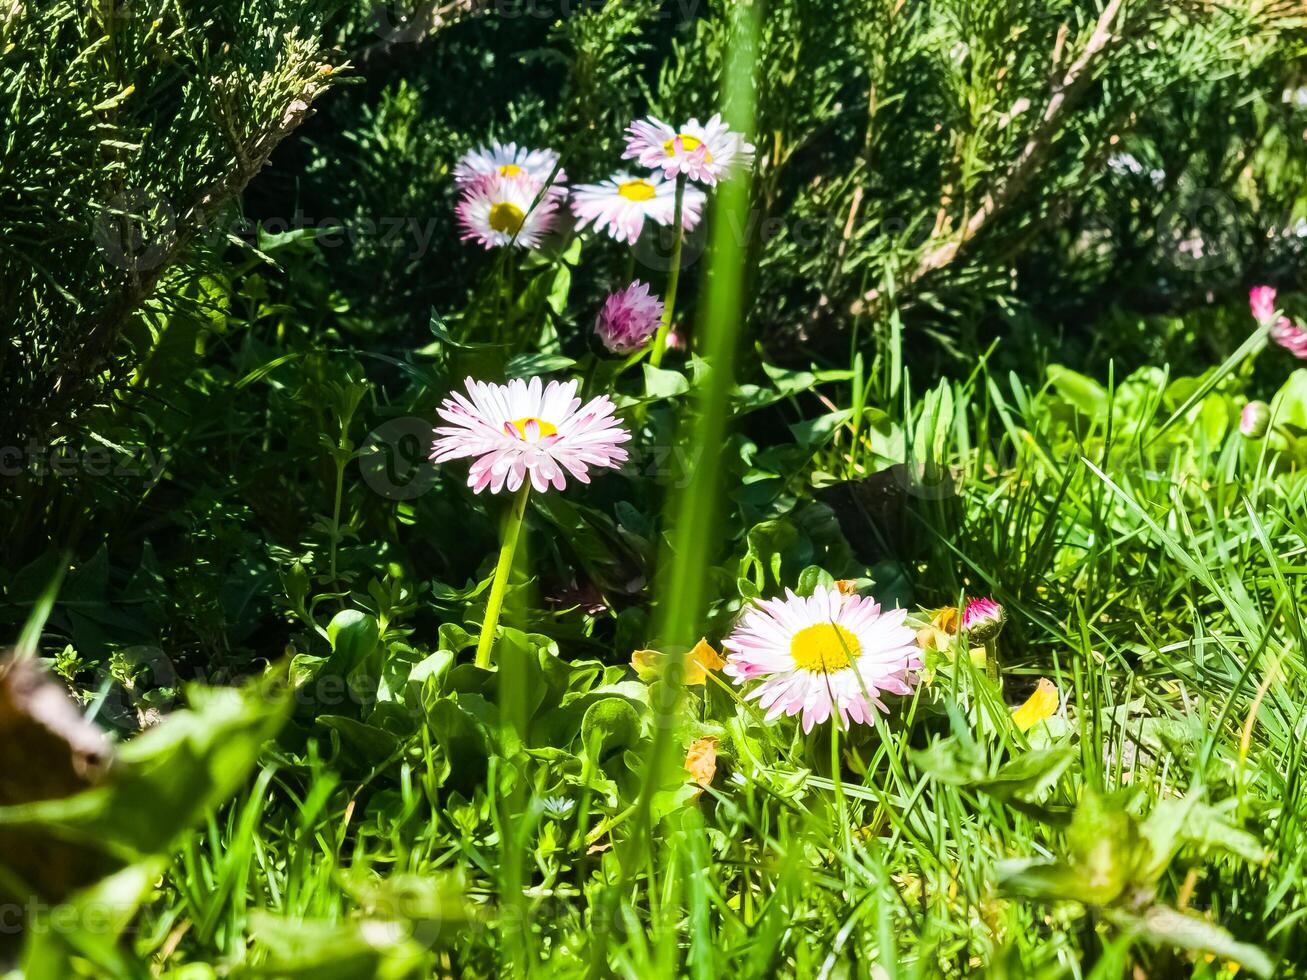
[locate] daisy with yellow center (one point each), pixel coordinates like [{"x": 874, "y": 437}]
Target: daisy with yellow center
[
  {"x": 706, "y": 152},
  {"x": 522, "y": 435},
  {"x": 528, "y": 429},
  {"x": 503, "y": 210},
  {"x": 507, "y": 160},
  {"x": 824, "y": 655},
  {"x": 621, "y": 204}
]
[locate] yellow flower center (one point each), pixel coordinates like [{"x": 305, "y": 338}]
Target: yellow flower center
[
  {"x": 636, "y": 190},
  {"x": 546, "y": 428},
  {"x": 510, "y": 170},
  {"x": 688, "y": 143},
  {"x": 506, "y": 217},
  {"x": 824, "y": 648}
]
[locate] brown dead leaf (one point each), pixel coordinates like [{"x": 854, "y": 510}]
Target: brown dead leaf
[{"x": 48, "y": 751}]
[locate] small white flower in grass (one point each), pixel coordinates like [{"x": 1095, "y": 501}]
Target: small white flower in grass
[
  {"x": 558, "y": 807},
  {"x": 507, "y": 160},
  {"x": 528, "y": 428},
  {"x": 826, "y": 654},
  {"x": 498, "y": 211},
  {"x": 621, "y": 204},
  {"x": 708, "y": 153},
  {"x": 629, "y": 319}
]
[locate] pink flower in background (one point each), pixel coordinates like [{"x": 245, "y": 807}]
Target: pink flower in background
[
  {"x": 1262, "y": 301},
  {"x": 707, "y": 153},
  {"x": 629, "y": 319},
  {"x": 507, "y": 160},
  {"x": 526, "y": 428},
  {"x": 823, "y": 655},
  {"x": 1290, "y": 336},
  {"x": 498, "y": 211},
  {"x": 620, "y": 204},
  {"x": 983, "y": 619}
]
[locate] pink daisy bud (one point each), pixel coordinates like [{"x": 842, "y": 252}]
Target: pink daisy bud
[
  {"x": 1254, "y": 420},
  {"x": 828, "y": 654},
  {"x": 1290, "y": 336},
  {"x": 983, "y": 620},
  {"x": 1262, "y": 301},
  {"x": 526, "y": 428},
  {"x": 629, "y": 319}
]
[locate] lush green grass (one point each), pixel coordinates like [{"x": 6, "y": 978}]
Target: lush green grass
[{"x": 344, "y": 793}]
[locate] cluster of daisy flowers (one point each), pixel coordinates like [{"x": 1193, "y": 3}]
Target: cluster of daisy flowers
[
  {"x": 515, "y": 196},
  {"x": 832, "y": 655}
]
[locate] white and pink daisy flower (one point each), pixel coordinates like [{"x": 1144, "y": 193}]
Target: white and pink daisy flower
[
  {"x": 826, "y": 654},
  {"x": 499, "y": 211},
  {"x": 629, "y": 319},
  {"x": 528, "y": 428},
  {"x": 507, "y": 160},
  {"x": 621, "y": 204},
  {"x": 707, "y": 153}
]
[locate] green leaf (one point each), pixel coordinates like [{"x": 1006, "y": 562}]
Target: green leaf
[
  {"x": 610, "y": 726},
  {"x": 1164, "y": 926},
  {"x": 353, "y": 636}
]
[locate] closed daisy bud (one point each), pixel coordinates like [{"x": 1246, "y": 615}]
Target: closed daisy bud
[
  {"x": 629, "y": 319},
  {"x": 1254, "y": 420},
  {"x": 983, "y": 620},
  {"x": 1261, "y": 300}
]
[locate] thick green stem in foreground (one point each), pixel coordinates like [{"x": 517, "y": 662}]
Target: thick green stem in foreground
[
  {"x": 991, "y": 662},
  {"x": 507, "y": 549},
  {"x": 673, "y": 278}
]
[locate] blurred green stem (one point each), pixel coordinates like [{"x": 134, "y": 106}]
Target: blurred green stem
[
  {"x": 991, "y": 663},
  {"x": 673, "y": 278},
  {"x": 507, "y": 549}
]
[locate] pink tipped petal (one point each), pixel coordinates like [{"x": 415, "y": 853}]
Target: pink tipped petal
[{"x": 525, "y": 429}]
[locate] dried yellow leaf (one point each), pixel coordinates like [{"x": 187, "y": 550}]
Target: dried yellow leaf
[
  {"x": 1040, "y": 705},
  {"x": 701, "y": 760}
]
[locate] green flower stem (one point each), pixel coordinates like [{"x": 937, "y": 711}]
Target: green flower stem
[
  {"x": 507, "y": 549},
  {"x": 991, "y": 662},
  {"x": 673, "y": 278}
]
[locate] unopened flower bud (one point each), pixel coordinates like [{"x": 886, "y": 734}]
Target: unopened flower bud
[
  {"x": 983, "y": 620},
  {"x": 1254, "y": 420}
]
